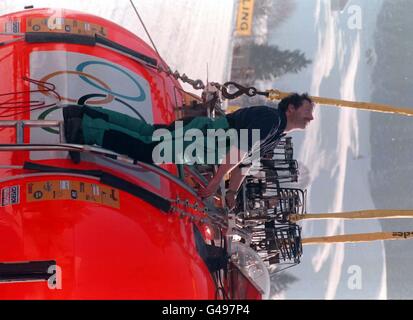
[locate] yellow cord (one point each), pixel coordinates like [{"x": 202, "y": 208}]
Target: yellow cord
[{"x": 278, "y": 95}]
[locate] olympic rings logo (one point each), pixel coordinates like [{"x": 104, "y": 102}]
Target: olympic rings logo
[
  {"x": 82, "y": 66},
  {"x": 47, "y": 78},
  {"x": 108, "y": 96}
]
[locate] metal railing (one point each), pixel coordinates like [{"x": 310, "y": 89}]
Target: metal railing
[{"x": 19, "y": 125}]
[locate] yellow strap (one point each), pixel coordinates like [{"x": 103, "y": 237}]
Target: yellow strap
[
  {"x": 359, "y": 237},
  {"x": 362, "y": 214},
  {"x": 278, "y": 95}
]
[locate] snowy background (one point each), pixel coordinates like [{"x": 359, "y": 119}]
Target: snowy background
[{"x": 335, "y": 148}]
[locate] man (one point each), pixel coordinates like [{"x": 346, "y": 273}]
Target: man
[
  {"x": 294, "y": 112},
  {"x": 127, "y": 135}
]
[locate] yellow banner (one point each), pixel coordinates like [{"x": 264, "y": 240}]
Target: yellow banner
[
  {"x": 73, "y": 190},
  {"x": 64, "y": 25},
  {"x": 244, "y": 18}
]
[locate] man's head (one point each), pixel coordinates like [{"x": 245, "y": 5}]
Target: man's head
[{"x": 298, "y": 110}]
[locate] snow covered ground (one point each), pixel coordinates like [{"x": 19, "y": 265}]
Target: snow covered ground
[{"x": 335, "y": 148}]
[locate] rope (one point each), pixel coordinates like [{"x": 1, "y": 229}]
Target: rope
[
  {"x": 275, "y": 94},
  {"x": 363, "y": 214},
  {"x": 359, "y": 237},
  {"x": 278, "y": 95},
  {"x": 146, "y": 30}
]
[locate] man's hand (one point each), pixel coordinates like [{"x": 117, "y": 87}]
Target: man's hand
[
  {"x": 223, "y": 169},
  {"x": 211, "y": 188}
]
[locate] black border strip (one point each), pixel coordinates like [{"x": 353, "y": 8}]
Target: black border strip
[
  {"x": 25, "y": 271},
  {"x": 42, "y": 37},
  {"x": 133, "y": 53}
]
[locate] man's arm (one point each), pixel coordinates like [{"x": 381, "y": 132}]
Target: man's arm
[
  {"x": 237, "y": 177},
  {"x": 232, "y": 160}
]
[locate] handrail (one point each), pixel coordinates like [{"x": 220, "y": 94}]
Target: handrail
[
  {"x": 20, "y": 124},
  {"x": 61, "y": 147},
  {"x": 31, "y": 123}
]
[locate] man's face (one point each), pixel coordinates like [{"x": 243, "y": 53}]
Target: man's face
[{"x": 302, "y": 116}]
